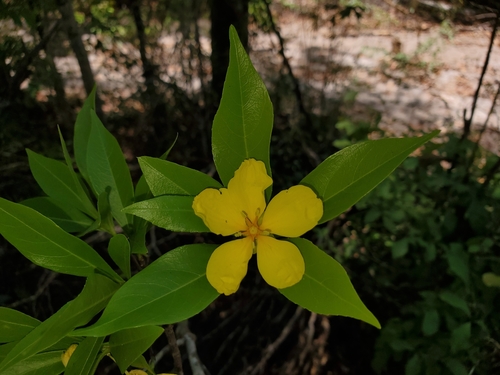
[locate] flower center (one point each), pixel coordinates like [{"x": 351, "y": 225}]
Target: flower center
[{"x": 253, "y": 227}]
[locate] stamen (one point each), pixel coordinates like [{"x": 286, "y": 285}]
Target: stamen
[{"x": 248, "y": 222}]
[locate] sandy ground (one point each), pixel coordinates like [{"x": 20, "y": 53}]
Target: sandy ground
[
  {"x": 418, "y": 74},
  {"x": 430, "y": 91}
]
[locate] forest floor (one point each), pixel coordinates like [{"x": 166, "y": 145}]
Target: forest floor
[{"x": 414, "y": 71}]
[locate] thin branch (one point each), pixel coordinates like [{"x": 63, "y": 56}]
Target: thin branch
[
  {"x": 164, "y": 351},
  {"x": 296, "y": 87},
  {"x": 176, "y": 353},
  {"x": 468, "y": 121},
  {"x": 22, "y": 70},
  {"x": 38, "y": 293},
  {"x": 483, "y": 129},
  {"x": 271, "y": 349},
  {"x": 190, "y": 340}
]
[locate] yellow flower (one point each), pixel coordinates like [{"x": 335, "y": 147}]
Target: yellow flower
[
  {"x": 240, "y": 210},
  {"x": 68, "y": 353}
]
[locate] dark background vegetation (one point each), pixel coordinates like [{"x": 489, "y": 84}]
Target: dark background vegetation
[{"x": 416, "y": 248}]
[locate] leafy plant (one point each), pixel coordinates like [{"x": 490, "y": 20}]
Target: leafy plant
[{"x": 101, "y": 197}]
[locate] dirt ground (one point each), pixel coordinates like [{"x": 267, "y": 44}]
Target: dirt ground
[{"x": 417, "y": 72}]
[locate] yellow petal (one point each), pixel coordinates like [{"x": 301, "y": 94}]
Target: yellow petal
[
  {"x": 228, "y": 265},
  {"x": 248, "y": 186},
  {"x": 223, "y": 211},
  {"x": 66, "y": 355},
  {"x": 280, "y": 262},
  {"x": 293, "y": 212},
  {"x": 219, "y": 211}
]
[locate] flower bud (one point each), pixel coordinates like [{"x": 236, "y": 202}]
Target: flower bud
[{"x": 67, "y": 354}]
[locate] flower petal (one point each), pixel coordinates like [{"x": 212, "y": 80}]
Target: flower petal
[
  {"x": 292, "y": 212},
  {"x": 248, "y": 186},
  {"x": 219, "y": 211},
  {"x": 280, "y": 262},
  {"x": 228, "y": 265},
  {"x": 223, "y": 211}
]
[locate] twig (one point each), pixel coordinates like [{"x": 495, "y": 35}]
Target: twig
[
  {"x": 308, "y": 347},
  {"x": 397, "y": 6},
  {"x": 22, "y": 71},
  {"x": 296, "y": 87},
  {"x": 468, "y": 121},
  {"x": 176, "y": 353},
  {"x": 38, "y": 293},
  {"x": 483, "y": 129},
  {"x": 165, "y": 350},
  {"x": 259, "y": 368},
  {"x": 190, "y": 339}
]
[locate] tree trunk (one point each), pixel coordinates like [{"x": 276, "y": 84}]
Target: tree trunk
[
  {"x": 75, "y": 39},
  {"x": 223, "y": 14}
]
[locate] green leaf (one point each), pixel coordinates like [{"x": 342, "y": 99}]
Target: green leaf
[
  {"x": 126, "y": 346},
  {"x": 142, "y": 190},
  {"x": 68, "y": 218},
  {"x": 348, "y": 175},
  {"x": 40, "y": 240},
  {"x": 14, "y": 325},
  {"x": 138, "y": 236},
  {"x": 325, "y": 287},
  {"x": 108, "y": 170},
  {"x": 456, "y": 367},
  {"x": 165, "y": 177},
  {"x": 56, "y": 181},
  {"x": 141, "y": 226},
  {"x": 399, "y": 345},
  {"x": 40, "y": 364},
  {"x": 171, "y": 289},
  {"x": 119, "y": 251},
  {"x": 455, "y": 301},
  {"x": 458, "y": 260},
  {"x": 460, "y": 337},
  {"x": 105, "y": 219},
  {"x": 413, "y": 366},
  {"x": 95, "y": 295},
  {"x": 6, "y": 349},
  {"x": 78, "y": 183},
  {"x": 82, "y": 134},
  {"x": 430, "y": 324},
  {"x": 172, "y": 212},
  {"x": 83, "y": 359},
  {"x": 243, "y": 123},
  {"x": 399, "y": 248},
  {"x": 490, "y": 279},
  {"x": 141, "y": 363}
]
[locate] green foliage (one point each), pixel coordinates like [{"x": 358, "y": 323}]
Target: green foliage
[
  {"x": 100, "y": 197},
  {"x": 345, "y": 177},
  {"x": 97, "y": 292},
  {"x": 243, "y": 123},
  {"x": 172, "y": 212},
  {"x": 83, "y": 360},
  {"x": 426, "y": 236},
  {"x": 45, "y": 244},
  {"x": 171, "y": 289},
  {"x": 126, "y": 346},
  {"x": 326, "y": 288},
  {"x": 164, "y": 177},
  {"x": 15, "y": 325}
]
